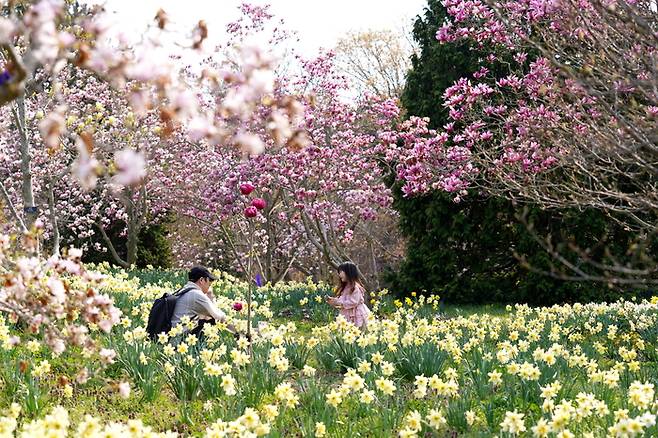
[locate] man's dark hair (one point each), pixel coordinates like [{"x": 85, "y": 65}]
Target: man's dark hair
[{"x": 199, "y": 272}]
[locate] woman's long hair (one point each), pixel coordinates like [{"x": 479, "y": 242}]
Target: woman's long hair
[{"x": 353, "y": 277}]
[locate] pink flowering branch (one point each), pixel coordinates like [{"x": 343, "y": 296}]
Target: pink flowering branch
[{"x": 56, "y": 296}]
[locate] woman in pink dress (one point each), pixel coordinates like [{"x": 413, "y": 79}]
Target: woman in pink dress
[{"x": 350, "y": 296}]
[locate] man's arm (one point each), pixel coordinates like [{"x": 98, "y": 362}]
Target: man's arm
[{"x": 211, "y": 310}]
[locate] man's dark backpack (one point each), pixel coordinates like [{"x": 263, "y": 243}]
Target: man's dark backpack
[{"x": 162, "y": 311}]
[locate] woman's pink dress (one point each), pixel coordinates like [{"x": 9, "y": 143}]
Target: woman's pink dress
[{"x": 353, "y": 307}]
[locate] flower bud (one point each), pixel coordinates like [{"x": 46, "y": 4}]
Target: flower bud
[
  {"x": 251, "y": 211},
  {"x": 259, "y": 203},
  {"x": 246, "y": 188}
]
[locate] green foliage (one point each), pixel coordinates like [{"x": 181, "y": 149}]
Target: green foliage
[
  {"x": 18, "y": 382},
  {"x": 455, "y": 413},
  {"x": 339, "y": 355},
  {"x": 420, "y": 360},
  {"x": 298, "y": 353},
  {"x": 153, "y": 247},
  {"x": 298, "y": 300},
  {"x": 187, "y": 377},
  {"x": 326, "y": 357},
  {"x": 9, "y": 374},
  {"x": 138, "y": 359},
  {"x": 175, "y": 277},
  {"x": 257, "y": 382}
]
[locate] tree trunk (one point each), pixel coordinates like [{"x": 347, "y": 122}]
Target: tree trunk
[
  {"x": 53, "y": 217},
  {"x": 29, "y": 207},
  {"x": 132, "y": 240},
  {"x": 136, "y": 211},
  {"x": 12, "y": 208},
  {"x": 110, "y": 246}
]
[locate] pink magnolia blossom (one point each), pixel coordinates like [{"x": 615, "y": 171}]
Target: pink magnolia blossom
[
  {"x": 52, "y": 127},
  {"x": 124, "y": 389},
  {"x": 107, "y": 355},
  {"x": 131, "y": 167},
  {"x": 40, "y": 292},
  {"x": 7, "y": 28},
  {"x": 250, "y": 143},
  {"x": 299, "y": 181},
  {"x": 85, "y": 166},
  {"x": 259, "y": 203},
  {"x": 57, "y": 289},
  {"x": 247, "y": 188},
  {"x": 251, "y": 212},
  {"x": 58, "y": 346}
]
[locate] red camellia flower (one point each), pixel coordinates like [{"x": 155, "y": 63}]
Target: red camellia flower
[
  {"x": 237, "y": 306},
  {"x": 250, "y": 211},
  {"x": 259, "y": 203},
  {"x": 247, "y": 188}
]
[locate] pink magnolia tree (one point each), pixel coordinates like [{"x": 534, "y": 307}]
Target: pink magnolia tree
[
  {"x": 578, "y": 105},
  {"x": 43, "y": 37},
  {"x": 321, "y": 183},
  {"x": 84, "y": 199},
  {"x": 312, "y": 203},
  {"x": 56, "y": 296},
  {"x": 570, "y": 123},
  {"x": 134, "y": 150}
]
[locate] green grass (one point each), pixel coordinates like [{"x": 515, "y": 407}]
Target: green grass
[{"x": 454, "y": 310}]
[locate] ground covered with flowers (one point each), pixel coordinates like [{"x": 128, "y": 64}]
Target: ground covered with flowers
[{"x": 565, "y": 371}]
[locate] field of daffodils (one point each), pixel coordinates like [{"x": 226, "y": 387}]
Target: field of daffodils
[{"x": 583, "y": 370}]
